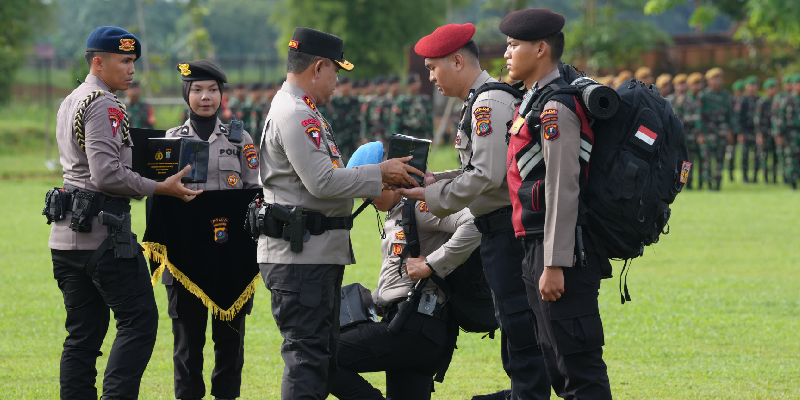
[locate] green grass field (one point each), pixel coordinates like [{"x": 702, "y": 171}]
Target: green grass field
[{"x": 715, "y": 311}]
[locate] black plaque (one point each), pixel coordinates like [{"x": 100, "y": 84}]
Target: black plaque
[
  {"x": 168, "y": 156},
  {"x": 404, "y": 146},
  {"x": 141, "y": 137}
]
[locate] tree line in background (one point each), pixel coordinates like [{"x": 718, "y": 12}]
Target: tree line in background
[{"x": 605, "y": 34}]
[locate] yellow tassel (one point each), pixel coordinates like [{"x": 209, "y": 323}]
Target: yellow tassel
[{"x": 158, "y": 253}]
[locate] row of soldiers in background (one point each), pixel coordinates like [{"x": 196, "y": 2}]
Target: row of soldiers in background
[
  {"x": 763, "y": 122},
  {"x": 372, "y": 109},
  {"x": 361, "y": 110}
]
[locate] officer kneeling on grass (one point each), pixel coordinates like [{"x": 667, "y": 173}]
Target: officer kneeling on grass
[
  {"x": 306, "y": 221},
  {"x": 97, "y": 261},
  {"x": 232, "y": 164},
  {"x": 423, "y": 345}
]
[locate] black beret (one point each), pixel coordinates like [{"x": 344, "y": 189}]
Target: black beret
[
  {"x": 379, "y": 80},
  {"x": 394, "y": 79},
  {"x": 366, "y": 82},
  {"x": 344, "y": 80},
  {"x": 532, "y": 24},
  {"x": 255, "y": 86},
  {"x": 318, "y": 43},
  {"x": 110, "y": 39},
  {"x": 201, "y": 70},
  {"x": 356, "y": 84},
  {"x": 269, "y": 86}
]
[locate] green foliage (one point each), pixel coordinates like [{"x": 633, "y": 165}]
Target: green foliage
[
  {"x": 375, "y": 32},
  {"x": 18, "y": 19},
  {"x": 605, "y": 41}
]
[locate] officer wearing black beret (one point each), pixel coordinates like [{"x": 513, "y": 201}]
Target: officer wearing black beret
[
  {"x": 548, "y": 158},
  {"x": 232, "y": 164},
  {"x": 97, "y": 271},
  {"x": 301, "y": 168}
]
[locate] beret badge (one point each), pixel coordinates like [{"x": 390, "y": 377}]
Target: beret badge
[
  {"x": 184, "y": 69},
  {"x": 127, "y": 44}
]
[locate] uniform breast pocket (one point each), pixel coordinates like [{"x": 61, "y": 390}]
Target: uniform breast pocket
[{"x": 230, "y": 171}]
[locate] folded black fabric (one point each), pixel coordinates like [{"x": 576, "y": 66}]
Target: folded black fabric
[{"x": 204, "y": 245}]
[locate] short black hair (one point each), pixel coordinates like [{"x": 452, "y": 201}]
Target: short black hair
[
  {"x": 90, "y": 55},
  {"x": 556, "y": 44},
  {"x": 471, "y": 49},
  {"x": 298, "y": 62}
]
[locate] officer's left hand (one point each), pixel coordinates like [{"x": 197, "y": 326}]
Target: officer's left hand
[
  {"x": 417, "y": 269},
  {"x": 417, "y": 193},
  {"x": 551, "y": 284}
]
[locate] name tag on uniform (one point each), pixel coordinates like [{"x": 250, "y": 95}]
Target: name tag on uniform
[{"x": 517, "y": 125}]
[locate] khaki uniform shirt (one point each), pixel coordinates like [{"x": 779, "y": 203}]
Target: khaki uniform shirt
[
  {"x": 446, "y": 243},
  {"x": 104, "y": 167},
  {"x": 301, "y": 166},
  {"x": 562, "y": 184},
  {"x": 484, "y": 188},
  {"x": 230, "y": 165}
]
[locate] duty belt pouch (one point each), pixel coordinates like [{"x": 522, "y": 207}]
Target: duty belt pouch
[
  {"x": 56, "y": 204},
  {"x": 82, "y": 207},
  {"x": 356, "y": 307}
]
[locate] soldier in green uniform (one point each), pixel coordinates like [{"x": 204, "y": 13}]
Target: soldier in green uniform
[
  {"x": 258, "y": 110},
  {"x": 730, "y": 150},
  {"x": 695, "y": 82},
  {"x": 685, "y": 106},
  {"x": 715, "y": 113},
  {"x": 737, "y": 88},
  {"x": 140, "y": 113},
  {"x": 374, "y": 111},
  {"x": 765, "y": 141},
  {"x": 744, "y": 111},
  {"x": 789, "y": 113},
  {"x": 779, "y": 124},
  {"x": 240, "y": 105},
  {"x": 414, "y": 111},
  {"x": 344, "y": 112}
]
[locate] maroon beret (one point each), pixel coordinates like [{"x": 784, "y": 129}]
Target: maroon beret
[
  {"x": 532, "y": 24},
  {"x": 445, "y": 40}
]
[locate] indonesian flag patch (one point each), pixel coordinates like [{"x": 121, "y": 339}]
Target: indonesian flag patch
[{"x": 645, "y": 138}]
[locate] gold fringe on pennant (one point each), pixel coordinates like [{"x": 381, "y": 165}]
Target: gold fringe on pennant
[{"x": 158, "y": 253}]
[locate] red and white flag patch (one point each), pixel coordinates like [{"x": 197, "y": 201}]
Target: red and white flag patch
[{"x": 646, "y": 135}]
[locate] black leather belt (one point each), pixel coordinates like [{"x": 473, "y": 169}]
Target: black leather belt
[
  {"x": 102, "y": 202},
  {"x": 496, "y": 221},
  {"x": 318, "y": 223}
]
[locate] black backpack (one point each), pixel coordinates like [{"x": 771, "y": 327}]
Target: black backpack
[{"x": 468, "y": 293}]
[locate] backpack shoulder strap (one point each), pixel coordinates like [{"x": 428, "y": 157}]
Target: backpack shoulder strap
[
  {"x": 409, "y": 222},
  {"x": 466, "y": 119}
]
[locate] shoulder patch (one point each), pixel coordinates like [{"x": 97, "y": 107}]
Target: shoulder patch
[
  {"x": 550, "y": 131},
  {"x": 482, "y": 111},
  {"x": 423, "y": 207},
  {"x": 483, "y": 127},
  {"x": 251, "y": 156},
  {"x": 400, "y": 235},
  {"x": 310, "y": 102},
  {"x": 549, "y": 111},
  {"x": 397, "y": 249},
  {"x": 310, "y": 121},
  {"x": 549, "y": 118},
  {"x": 185, "y": 130},
  {"x": 313, "y": 133},
  {"x": 115, "y": 116}
]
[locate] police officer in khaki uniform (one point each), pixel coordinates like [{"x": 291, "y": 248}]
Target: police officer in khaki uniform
[
  {"x": 301, "y": 166},
  {"x": 480, "y": 185},
  {"x": 97, "y": 272},
  {"x": 232, "y": 164},
  {"x": 547, "y": 167},
  {"x": 424, "y": 343}
]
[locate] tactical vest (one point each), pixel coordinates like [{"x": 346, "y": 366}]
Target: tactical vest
[{"x": 525, "y": 160}]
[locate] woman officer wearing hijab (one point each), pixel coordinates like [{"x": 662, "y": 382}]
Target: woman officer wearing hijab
[{"x": 232, "y": 164}]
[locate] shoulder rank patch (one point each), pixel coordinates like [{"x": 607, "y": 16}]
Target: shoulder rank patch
[
  {"x": 685, "y": 168},
  {"x": 310, "y": 121},
  {"x": 233, "y": 180},
  {"x": 397, "y": 249},
  {"x": 310, "y": 102},
  {"x": 400, "y": 235},
  {"x": 336, "y": 164},
  {"x": 115, "y": 116},
  {"x": 484, "y": 127},
  {"x": 549, "y": 111},
  {"x": 127, "y": 44},
  {"x": 517, "y": 125},
  {"x": 423, "y": 207},
  {"x": 550, "y": 131},
  {"x": 251, "y": 156},
  {"x": 313, "y": 133},
  {"x": 220, "y": 229}
]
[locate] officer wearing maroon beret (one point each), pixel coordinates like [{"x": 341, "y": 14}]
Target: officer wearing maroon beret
[
  {"x": 480, "y": 185},
  {"x": 548, "y": 157}
]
